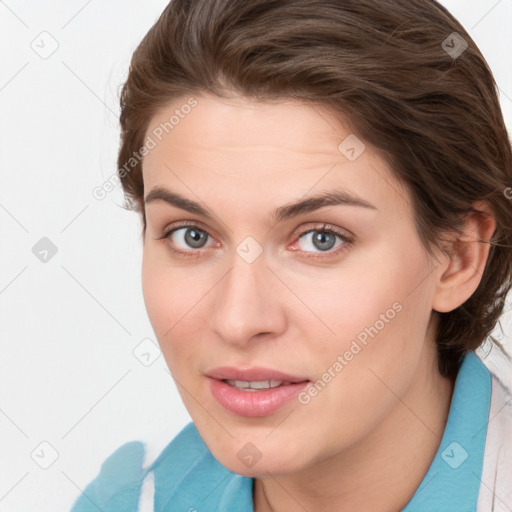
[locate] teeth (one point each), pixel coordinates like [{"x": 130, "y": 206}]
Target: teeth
[{"x": 255, "y": 385}]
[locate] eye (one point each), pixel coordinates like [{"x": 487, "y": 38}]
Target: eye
[
  {"x": 322, "y": 239},
  {"x": 187, "y": 238},
  {"x": 193, "y": 237}
]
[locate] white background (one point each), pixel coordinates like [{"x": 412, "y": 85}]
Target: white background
[{"x": 68, "y": 327}]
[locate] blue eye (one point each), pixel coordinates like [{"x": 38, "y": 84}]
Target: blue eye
[{"x": 321, "y": 240}]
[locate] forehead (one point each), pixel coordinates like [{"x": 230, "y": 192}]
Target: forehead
[
  {"x": 280, "y": 148},
  {"x": 238, "y": 122}
]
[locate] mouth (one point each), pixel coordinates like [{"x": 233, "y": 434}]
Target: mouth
[
  {"x": 258, "y": 385},
  {"x": 254, "y": 392}
]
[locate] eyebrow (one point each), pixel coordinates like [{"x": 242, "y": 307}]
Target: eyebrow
[{"x": 331, "y": 198}]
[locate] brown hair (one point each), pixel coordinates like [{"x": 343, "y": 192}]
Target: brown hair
[{"x": 386, "y": 67}]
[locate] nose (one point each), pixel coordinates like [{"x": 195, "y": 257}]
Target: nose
[{"x": 246, "y": 304}]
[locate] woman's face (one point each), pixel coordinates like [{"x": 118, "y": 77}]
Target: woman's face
[{"x": 328, "y": 300}]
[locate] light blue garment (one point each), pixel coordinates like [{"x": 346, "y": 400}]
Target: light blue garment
[{"x": 189, "y": 479}]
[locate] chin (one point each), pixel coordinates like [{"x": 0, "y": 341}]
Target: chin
[
  {"x": 259, "y": 458},
  {"x": 262, "y": 468}
]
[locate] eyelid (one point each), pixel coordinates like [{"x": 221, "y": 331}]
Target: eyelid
[
  {"x": 174, "y": 226},
  {"x": 323, "y": 226}
]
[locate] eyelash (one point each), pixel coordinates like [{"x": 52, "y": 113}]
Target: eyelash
[{"x": 324, "y": 228}]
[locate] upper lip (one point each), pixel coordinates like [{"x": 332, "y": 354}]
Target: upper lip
[{"x": 253, "y": 374}]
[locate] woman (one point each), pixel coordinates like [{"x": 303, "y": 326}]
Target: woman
[{"x": 327, "y": 239}]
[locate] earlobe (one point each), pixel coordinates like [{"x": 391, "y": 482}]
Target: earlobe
[{"x": 465, "y": 262}]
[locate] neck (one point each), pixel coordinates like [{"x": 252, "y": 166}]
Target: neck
[{"x": 381, "y": 472}]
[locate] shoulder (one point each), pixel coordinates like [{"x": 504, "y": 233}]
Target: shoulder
[
  {"x": 183, "y": 475},
  {"x": 188, "y": 477},
  {"x": 117, "y": 484}
]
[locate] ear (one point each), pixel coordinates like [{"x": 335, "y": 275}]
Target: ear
[
  {"x": 462, "y": 267},
  {"x": 142, "y": 217}
]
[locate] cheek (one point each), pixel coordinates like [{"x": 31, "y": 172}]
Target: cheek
[
  {"x": 365, "y": 299},
  {"x": 377, "y": 314},
  {"x": 382, "y": 318},
  {"x": 173, "y": 302}
]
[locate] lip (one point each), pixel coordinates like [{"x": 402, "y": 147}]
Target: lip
[
  {"x": 253, "y": 403},
  {"x": 255, "y": 373}
]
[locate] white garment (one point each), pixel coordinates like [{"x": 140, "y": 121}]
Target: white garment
[{"x": 496, "y": 488}]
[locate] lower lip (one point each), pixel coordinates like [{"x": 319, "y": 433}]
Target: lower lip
[{"x": 254, "y": 403}]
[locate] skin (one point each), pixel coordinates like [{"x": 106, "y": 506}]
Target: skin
[{"x": 378, "y": 423}]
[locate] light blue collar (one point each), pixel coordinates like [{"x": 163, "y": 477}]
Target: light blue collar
[{"x": 453, "y": 479}]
